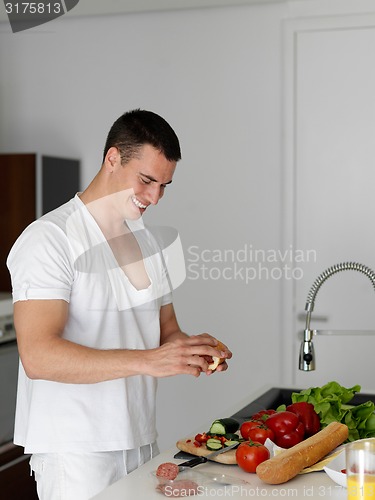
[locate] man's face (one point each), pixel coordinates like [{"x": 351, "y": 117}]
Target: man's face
[{"x": 143, "y": 178}]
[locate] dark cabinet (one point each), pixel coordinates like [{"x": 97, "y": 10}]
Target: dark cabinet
[
  {"x": 15, "y": 479},
  {"x": 32, "y": 185}
]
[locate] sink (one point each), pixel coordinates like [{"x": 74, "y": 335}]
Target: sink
[{"x": 277, "y": 396}]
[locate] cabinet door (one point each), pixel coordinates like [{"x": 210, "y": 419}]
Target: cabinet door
[
  {"x": 18, "y": 181},
  {"x": 15, "y": 479},
  {"x": 329, "y": 198},
  {"x": 32, "y": 186}
]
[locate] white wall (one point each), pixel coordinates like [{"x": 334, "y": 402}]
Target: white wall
[
  {"x": 215, "y": 75},
  {"x": 331, "y": 151}
]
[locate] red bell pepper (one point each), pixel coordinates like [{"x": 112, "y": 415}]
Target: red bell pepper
[
  {"x": 287, "y": 427},
  {"x": 200, "y": 439},
  {"x": 307, "y": 415}
]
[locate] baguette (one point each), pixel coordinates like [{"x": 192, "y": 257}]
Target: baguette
[{"x": 287, "y": 464}]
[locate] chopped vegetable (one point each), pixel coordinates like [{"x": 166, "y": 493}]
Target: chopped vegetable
[
  {"x": 232, "y": 436},
  {"x": 232, "y": 441},
  {"x": 201, "y": 438},
  {"x": 214, "y": 444}
]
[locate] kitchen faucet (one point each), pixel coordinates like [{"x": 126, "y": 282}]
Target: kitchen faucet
[{"x": 307, "y": 355}]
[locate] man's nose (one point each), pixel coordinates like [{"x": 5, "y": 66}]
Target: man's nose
[{"x": 154, "y": 194}]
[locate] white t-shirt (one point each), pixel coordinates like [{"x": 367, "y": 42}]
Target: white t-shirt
[{"x": 64, "y": 255}]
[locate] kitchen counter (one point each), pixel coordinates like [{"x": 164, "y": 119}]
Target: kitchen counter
[{"x": 141, "y": 483}]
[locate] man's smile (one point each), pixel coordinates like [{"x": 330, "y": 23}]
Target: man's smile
[{"x": 137, "y": 203}]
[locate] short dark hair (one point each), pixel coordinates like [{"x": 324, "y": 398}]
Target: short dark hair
[{"x": 137, "y": 127}]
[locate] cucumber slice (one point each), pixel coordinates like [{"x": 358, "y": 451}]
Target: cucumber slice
[
  {"x": 213, "y": 444},
  {"x": 224, "y": 426},
  {"x": 232, "y": 436},
  {"x": 230, "y": 442},
  {"x": 211, "y": 435}
]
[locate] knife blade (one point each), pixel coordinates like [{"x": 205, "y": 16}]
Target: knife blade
[{"x": 201, "y": 460}]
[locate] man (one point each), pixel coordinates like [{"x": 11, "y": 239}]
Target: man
[{"x": 95, "y": 321}]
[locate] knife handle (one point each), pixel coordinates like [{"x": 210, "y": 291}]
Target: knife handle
[{"x": 193, "y": 462}]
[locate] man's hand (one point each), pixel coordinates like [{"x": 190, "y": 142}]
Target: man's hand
[{"x": 185, "y": 355}]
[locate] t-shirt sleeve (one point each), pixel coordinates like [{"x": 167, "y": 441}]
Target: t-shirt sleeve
[
  {"x": 167, "y": 299},
  {"x": 40, "y": 263}
]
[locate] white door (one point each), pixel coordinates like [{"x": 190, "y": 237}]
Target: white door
[{"x": 330, "y": 193}]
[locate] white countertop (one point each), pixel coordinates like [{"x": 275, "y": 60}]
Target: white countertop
[{"x": 141, "y": 483}]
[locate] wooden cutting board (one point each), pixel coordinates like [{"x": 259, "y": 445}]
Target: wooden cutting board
[{"x": 187, "y": 445}]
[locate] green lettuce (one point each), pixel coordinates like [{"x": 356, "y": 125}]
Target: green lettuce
[{"x": 331, "y": 404}]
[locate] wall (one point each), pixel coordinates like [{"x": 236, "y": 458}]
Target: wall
[
  {"x": 215, "y": 74},
  {"x": 331, "y": 153}
]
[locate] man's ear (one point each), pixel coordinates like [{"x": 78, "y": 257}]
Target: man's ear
[{"x": 111, "y": 158}]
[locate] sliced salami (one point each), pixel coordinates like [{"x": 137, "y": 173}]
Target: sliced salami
[
  {"x": 180, "y": 488},
  {"x": 168, "y": 470}
]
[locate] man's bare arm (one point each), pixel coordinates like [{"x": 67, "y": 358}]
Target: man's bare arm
[{"x": 46, "y": 355}]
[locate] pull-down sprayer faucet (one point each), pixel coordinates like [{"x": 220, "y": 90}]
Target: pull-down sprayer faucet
[{"x": 307, "y": 355}]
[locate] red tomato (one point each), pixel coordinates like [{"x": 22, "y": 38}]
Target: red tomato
[
  {"x": 249, "y": 455},
  {"x": 263, "y": 415},
  {"x": 261, "y": 433},
  {"x": 247, "y": 426}
]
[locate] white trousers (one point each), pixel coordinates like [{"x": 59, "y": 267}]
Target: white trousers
[{"x": 80, "y": 476}]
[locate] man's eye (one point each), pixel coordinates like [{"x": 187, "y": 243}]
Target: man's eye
[{"x": 145, "y": 181}]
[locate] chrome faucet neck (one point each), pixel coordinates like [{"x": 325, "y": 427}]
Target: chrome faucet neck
[{"x": 307, "y": 355}]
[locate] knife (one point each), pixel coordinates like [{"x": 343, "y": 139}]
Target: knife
[{"x": 201, "y": 460}]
